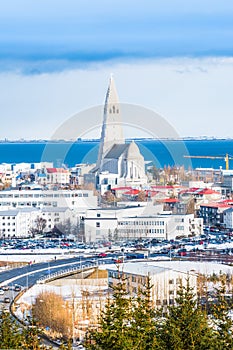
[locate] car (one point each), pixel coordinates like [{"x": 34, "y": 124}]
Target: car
[
  {"x": 6, "y": 300},
  {"x": 1, "y": 292},
  {"x": 17, "y": 289},
  {"x": 6, "y": 287},
  {"x": 102, "y": 255}
]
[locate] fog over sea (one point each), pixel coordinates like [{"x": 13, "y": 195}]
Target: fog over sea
[{"x": 160, "y": 152}]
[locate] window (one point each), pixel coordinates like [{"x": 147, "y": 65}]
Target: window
[
  {"x": 98, "y": 224},
  {"x": 98, "y": 215},
  {"x": 171, "y": 281}
]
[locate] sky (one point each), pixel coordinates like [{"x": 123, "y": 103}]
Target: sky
[{"x": 170, "y": 56}]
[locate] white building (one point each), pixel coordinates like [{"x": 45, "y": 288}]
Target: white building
[
  {"x": 57, "y": 176},
  {"x": 79, "y": 200},
  {"x": 17, "y": 223},
  {"x": 21, "y": 222},
  {"x": 62, "y": 218},
  {"x": 135, "y": 222},
  {"x": 164, "y": 281}
]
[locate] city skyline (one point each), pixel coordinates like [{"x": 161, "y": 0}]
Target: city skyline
[{"x": 172, "y": 57}]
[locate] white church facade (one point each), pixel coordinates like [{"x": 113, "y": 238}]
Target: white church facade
[{"x": 119, "y": 163}]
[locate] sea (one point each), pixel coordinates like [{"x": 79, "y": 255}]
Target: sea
[{"x": 159, "y": 153}]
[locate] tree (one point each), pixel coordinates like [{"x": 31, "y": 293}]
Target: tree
[
  {"x": 13, "y": 337},
  {"x": 127, "y": 322},
  {"x": 109, "y": 198},
  {"x": 220, "y": 317},
  {"x": 53, "y": 313},
  {"x": 113, "y": 322},
  {"x": 144, "y": 326},
  {"x": 40, "y": 224},
  {"x": 10, "y": 337},
  {"x": 142, "y": 196},
  {"x": 155, "y": 172},
  {"x": 186, "y": 326},
  {"x": 65, "y": 227}
]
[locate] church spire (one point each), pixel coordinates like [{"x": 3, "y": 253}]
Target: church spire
[
  {"x": 112, "y": 131},
  {"x": 111, "y": 96}
]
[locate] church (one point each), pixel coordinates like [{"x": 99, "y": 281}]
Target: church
[{"x": 119, "y": 163}]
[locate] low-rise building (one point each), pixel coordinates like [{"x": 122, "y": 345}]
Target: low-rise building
[
  {"x": 164, "y": 281},
  {"x": 213, "y": 213},
  {"x": 136, "y": 223},
  {"x": 57, "y": 176}
]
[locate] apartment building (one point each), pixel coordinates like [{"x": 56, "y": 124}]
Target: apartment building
[
  {"x": 213, "y": 213},
  {"x": 21, "y": 222},
  {"x": 17, "y": 222}
]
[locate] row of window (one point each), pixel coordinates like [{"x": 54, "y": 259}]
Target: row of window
[
  {"x": 8, "y": 230},
  {"x": 3, "y": 223},
  {"x": 145, "y": 231},
  {"x": 8, "y": 217},
  {"x": 28, "y": 204},
  {"x": 44, "y": 195},
  {"x": 141, "y": 223}
]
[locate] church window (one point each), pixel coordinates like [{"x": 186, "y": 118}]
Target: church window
[
  {"x": 113, "y": 109},
  {"x": 98, "y": 224}
]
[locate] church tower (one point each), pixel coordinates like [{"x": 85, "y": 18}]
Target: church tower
[{"x": 112, "y": 131}]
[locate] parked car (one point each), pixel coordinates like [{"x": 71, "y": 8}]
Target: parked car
[
  {"x": 102, "y": 255},
  {"x": 7, "y": 300},
  {"x": 1, "y": 292}
]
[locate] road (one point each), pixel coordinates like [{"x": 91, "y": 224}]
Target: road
[{"x": 28, "y": 275}]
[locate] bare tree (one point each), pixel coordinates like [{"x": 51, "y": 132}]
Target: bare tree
[
  {"x": 53, "y": 314},
  {"x": 40, "y": 224}
]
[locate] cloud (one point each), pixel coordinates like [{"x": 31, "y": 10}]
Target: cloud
[{"x": 50, "y": 36}]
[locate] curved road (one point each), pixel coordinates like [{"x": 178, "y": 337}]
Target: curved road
[{"x": 28, "y": 275}]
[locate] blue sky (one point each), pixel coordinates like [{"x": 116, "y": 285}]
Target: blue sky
[
  {"x": 51, "y": 48},
  {"x": 79, "y": 31}
]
